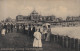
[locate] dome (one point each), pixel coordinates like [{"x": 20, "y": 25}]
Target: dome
[{"x": 34, "y": 12}]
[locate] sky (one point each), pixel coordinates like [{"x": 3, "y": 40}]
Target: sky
[{"x": 59, "y": 8}]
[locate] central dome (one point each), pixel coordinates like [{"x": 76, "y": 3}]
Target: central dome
[{"x": 34, "y": 12}]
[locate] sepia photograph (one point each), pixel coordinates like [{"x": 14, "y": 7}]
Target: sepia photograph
[{"x": 39, "y": 25}]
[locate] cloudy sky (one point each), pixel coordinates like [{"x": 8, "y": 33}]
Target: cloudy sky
[{"x": 59, "y": 8}]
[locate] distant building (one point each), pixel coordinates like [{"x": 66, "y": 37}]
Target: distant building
[
  {"x": 73, "y": 18},
  {"x": 9, "y": 21},
  {"x": 35, "y": 17},
  {"x": 22, "y": 18}
]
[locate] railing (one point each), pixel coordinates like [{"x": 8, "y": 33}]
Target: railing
[{"x": 66, "y": 42}]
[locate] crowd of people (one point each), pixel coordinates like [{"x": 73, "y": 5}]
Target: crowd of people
[
  {"x": 38, "y": 33},
  {"x": 6, "y": 28}
]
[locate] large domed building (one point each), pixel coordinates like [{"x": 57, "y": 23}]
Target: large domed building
[{"x": 34, "y": 17}]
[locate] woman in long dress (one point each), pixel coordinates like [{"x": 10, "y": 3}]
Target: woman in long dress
[
  {"x": 3, "y": 32},
  {"x": 44, "y": 33},
  {"x": 48, "y": 34},
  {"x": 37, "y": 39}
]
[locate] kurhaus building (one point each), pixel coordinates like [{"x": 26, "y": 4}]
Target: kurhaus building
[{"x": 34, "y": 17}]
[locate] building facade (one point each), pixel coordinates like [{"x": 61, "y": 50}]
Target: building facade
[{"x": 35, "y": 17}]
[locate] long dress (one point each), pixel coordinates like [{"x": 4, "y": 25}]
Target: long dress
[
  {"x": 3, "y": 32},
  {"x": 37, "y": 40},
  {"x": 44, "y": 33},
  {"x": 48, "y": 35}
]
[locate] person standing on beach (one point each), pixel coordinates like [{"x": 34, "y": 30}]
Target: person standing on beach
[
  {"x": 37, "y": 39},
  {"x": 3, "y": 31},
  {"x": 48, "y": 34}
]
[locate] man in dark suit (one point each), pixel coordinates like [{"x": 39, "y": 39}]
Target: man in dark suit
[
  {"x": 29, "y": 30},
  {"x": 11, "y": 27}
]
